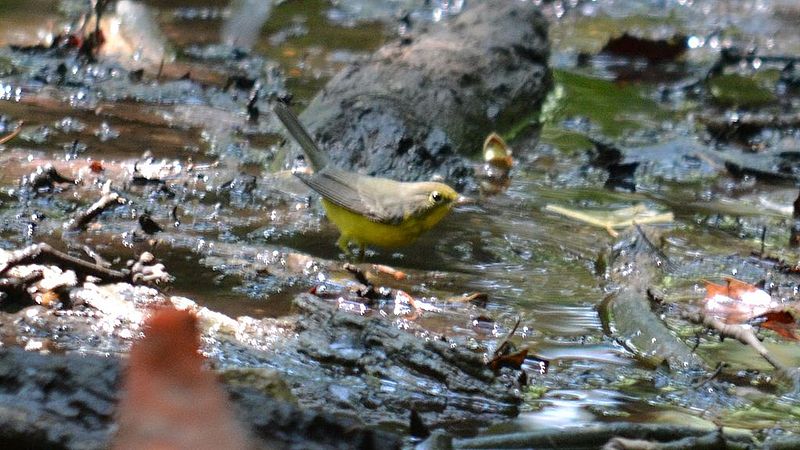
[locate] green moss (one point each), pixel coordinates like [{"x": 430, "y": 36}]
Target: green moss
[{"x": 744, "y": 92}]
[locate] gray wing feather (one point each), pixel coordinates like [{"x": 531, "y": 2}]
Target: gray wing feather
[
  {"x": 315, "y": 156},
  {"x": 339, "y": 188}
]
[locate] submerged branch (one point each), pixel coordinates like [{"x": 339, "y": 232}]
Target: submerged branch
[
  {"x": 596, "y": 436},
  {"x": 743, "y": 333},
  {"x": 82, "y": 220},
  {"x": 636, "y": 266}
]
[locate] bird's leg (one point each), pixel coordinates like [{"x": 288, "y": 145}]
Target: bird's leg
[
  {"x": 362, "y": 252},
  {"x": 343, "y": 244}
]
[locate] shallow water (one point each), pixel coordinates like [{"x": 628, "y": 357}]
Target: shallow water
[{"x": 532, "y": 264}]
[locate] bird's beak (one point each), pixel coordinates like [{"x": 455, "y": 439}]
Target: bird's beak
[{"x": 462, "y": 200}]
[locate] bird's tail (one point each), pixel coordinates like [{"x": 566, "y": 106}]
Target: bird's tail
[{"x": 316, "y": 158}]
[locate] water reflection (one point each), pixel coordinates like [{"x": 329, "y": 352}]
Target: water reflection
[
  {"x": 242, "y": 27},
  {"x": 561, "y": 408}
]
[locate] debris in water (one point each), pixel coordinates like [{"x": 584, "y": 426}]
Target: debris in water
[{"x": 620, "y": 218}]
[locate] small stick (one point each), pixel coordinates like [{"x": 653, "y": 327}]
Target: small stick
[
  {"x": 44, "y": 253},
  {"x": 160, "y": 69},
  {"x": 13, "y": 134},
  {"x": 742, "y": 333},
  {"x": 83, "y": 219},
  {"x": 504, "y": 342}
]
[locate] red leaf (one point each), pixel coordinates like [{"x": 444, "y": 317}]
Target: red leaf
[{"x": 783, "y": 323}]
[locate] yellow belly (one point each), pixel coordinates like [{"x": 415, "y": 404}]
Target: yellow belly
[{"x": 360, "y": 230}]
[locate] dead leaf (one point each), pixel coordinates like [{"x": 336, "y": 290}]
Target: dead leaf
[
  {"x": 736, "y": 301},
  {"x": 781, "y": 322},
  {"x": 494, "y": 174},
  {"x": 496, "y": 152},
  {"x": 513, "y": 360}
]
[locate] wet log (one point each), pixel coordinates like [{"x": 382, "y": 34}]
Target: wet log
[
  {"x": 636, "y": 266},
  {"x": 447, "y": 385},
  {"x": 416, "y": 109}
]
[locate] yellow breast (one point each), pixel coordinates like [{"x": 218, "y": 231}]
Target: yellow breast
[{"x": 360, "y": 230}]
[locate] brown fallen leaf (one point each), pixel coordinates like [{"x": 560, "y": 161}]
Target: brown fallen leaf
[
  {"x": 498, "y": 161},
  {"x": 736, "y": 301},
  {"x": 513, "y": 360},
  {"x": 783, "y": 323}
]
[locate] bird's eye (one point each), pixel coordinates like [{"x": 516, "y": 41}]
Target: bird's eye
[{"x": 436, "y": 197}]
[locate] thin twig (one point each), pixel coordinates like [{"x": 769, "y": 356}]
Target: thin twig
[
  {"x": 744, "y": 334},
  {"x": 504, "y": 343},
  {"x": 714, "y": 374},
  {"x": 44, "y": 253},
  {"x": 83, "y": 219},
  {"x": 13, "y": 134}
]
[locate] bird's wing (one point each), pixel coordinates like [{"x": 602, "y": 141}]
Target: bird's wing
[
  {"x": 351, "y": 191},
  {"x": 316, "y": 157}
]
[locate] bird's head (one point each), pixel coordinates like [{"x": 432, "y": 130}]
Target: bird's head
[{"x": 432, "y": 201}]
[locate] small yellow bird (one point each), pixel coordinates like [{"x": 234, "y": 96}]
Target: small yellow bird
[{"x": 370, "y": 210}]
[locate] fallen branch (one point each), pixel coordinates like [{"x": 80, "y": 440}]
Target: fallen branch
[
  {"x": 505, "y": 346},
  {"x": 713, "y": 440},
  {"x": 609, "y": 220},
  {"x": 721, "y": 365},
  {"x": 635, "y": 267},
  {"x": 595, "y": 436},
  {"x": 743, "y": 333},
  {"x": 141, "y": 270},
  {"x": 83, "y": 219},
  {"x": 45, "y": 254},
  {"x": 98, "y": 259},
  {"x": 503, "y": 356},
  {"x": 13, "y": 134}
]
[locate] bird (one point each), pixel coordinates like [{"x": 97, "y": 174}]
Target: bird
[{"x": 369, "y": 210}]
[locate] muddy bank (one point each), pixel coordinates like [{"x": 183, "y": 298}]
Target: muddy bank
[
  {"x": 362, "y": 371},
  {"x": 420, "y": 106}
]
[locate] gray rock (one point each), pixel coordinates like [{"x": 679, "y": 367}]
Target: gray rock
[{"x": 415, "y": 110}]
